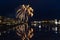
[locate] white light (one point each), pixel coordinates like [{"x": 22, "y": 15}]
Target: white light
[
  {"x": 39, "y": 22},
  {"x": 55, "y": 29},
  {"x": 59, "y": 22},
  {"x": 39, "y": 26},
  {"x": 56, "y": 21},
  {"x": 34, "y": 24}
]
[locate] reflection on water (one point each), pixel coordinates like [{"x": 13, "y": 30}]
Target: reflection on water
[{"x": 38, "y": 35}]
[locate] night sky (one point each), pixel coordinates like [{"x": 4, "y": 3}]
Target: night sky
[{"x": 43, "y": 9}]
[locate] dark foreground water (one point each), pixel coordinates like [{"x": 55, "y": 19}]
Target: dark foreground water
[{"x": 38, "y": 35}]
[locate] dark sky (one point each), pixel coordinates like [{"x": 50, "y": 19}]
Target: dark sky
[{"x": 43, "y": 9}]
